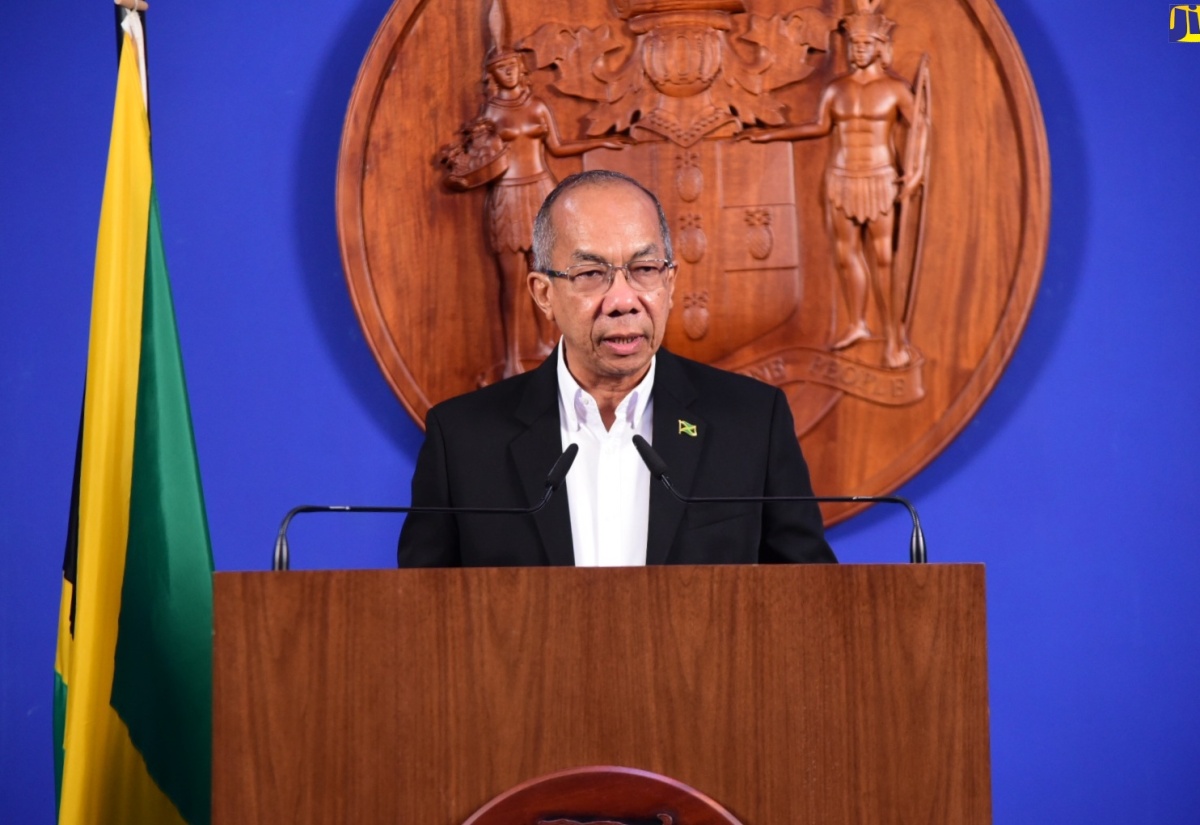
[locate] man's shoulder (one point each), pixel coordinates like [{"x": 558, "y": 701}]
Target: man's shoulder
[
  {"x": 501, "y": 399},
  {"x": 714, "y": 382},
  {"x": 492, "y": 396},
  {"x": 538, "y": 388}
]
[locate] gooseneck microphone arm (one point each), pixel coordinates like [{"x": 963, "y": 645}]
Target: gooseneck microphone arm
[
  {"x": 554, "y": 480},
  {"x": 658, "y": 470}
]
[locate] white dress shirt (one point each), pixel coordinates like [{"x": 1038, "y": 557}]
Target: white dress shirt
[{"x": 608, "y": 486}]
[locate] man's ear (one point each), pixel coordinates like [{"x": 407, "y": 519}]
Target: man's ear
[{"x": 539, "y": 288}]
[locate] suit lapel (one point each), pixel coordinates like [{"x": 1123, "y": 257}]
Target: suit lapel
[
  {"x": 679, "y": 437},
  {"x": 534, "y": 451}
]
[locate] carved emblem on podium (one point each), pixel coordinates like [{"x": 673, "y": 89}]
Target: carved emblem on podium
[
  {"x": 602, "y": 795},
  {"x": 662, "y": 819},
  {"x": 836, "y": 236}
]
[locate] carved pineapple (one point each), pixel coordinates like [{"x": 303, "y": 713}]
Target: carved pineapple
[
  {"x": 759, "y": 239},
  {"x": 695, "y": 314},
  {"x": 689, "y": 177},
  {"x": 692, "y": 241}
]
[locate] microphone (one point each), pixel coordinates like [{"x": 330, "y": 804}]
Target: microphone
[
  {"x": 658, "y": 470},
  {"x": 554, "y": 480}
]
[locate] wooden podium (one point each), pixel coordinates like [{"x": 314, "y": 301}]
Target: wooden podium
[{"x": 788, "y": 694}]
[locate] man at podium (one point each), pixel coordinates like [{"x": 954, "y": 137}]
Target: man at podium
[{"x": 604, "y": 273}]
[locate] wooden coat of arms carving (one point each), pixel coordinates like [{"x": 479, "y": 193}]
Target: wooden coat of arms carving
[{"x": 858, "y": 193}]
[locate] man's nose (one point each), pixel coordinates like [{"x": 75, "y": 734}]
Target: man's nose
[{"x": 621, "y": 296}]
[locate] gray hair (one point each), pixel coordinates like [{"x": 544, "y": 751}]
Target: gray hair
[{"x": 543, "y": 226}]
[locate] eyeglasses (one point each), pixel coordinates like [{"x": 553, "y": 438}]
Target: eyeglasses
[{"x": 595, "y": 278}]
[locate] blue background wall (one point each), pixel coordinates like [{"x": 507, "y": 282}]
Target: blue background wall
[{"x": 1076, "y": 483}]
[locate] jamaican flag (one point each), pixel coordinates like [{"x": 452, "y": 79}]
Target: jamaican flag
[{"x": 133, "y": 681}]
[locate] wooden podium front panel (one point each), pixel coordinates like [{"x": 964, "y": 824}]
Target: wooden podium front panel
[{"x": 790, "y": 694}]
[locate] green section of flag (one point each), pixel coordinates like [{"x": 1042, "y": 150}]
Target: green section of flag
[
  {"x": 162, "y": 685},
  {"x": 60, "y": 727}
]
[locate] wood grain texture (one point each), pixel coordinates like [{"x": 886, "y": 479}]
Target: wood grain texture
[{"x": 786, "y": 694}]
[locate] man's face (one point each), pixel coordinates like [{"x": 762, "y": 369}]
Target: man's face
[
  {"x": 862, "y": 50},
  {"x": 609, "y": 338}
]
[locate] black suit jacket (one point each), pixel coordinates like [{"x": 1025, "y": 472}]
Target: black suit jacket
[{"x": 494, "y": 447}]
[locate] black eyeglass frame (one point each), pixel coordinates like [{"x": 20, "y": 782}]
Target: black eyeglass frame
[{"x": 610, "y": 273}]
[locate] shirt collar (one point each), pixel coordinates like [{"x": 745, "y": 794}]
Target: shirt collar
[{"x": 574, "y": 409}]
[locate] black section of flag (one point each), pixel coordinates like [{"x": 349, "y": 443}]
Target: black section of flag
[{"x": 71, "y": 554}]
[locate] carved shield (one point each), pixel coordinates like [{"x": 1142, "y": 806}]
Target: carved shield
[{"x": 718, "y": 208}]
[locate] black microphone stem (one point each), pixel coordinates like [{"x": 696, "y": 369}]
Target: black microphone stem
[
  {"x": 554, "y": 479},
  {"x": 658, "y": 469}
]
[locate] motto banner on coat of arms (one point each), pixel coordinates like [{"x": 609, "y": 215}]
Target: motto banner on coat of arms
[{"x": 858, "y": 194}]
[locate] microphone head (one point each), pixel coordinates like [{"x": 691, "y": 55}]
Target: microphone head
[
  {"x": 657, "y": 467},
  {"x": 558, "y": 473}
]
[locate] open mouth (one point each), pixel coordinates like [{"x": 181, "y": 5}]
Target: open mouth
[{"x": 624, "y": 344}]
